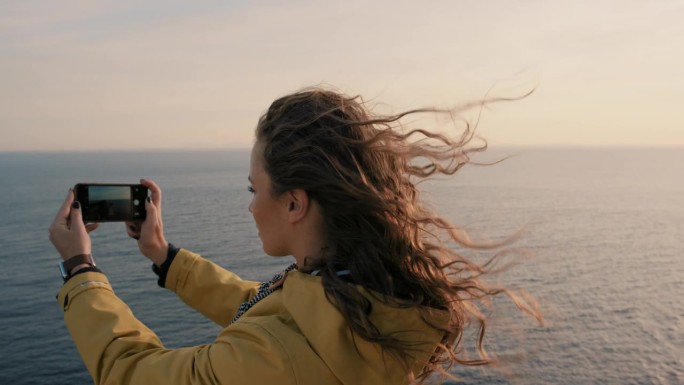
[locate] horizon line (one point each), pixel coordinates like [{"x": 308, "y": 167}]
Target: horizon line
[{"x": 240, "y": 147}]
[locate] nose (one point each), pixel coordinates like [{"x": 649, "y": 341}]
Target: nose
[{"x": 250, "y": 205}]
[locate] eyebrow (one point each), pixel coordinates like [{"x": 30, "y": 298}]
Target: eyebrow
[{"x": 249, "y": 178}]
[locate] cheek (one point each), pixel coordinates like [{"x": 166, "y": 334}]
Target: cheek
[
  {"x": 254, "y": 210},
  {"x": 255, "y": 207}
]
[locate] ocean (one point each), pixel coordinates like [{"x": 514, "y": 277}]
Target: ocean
[{"x": 604, "y": 227}]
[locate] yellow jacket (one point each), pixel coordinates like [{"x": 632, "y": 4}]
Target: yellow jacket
[{"x": 293, "y": 336}]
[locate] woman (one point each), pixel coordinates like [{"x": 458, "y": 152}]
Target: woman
[{"x": 374, "y": 295}]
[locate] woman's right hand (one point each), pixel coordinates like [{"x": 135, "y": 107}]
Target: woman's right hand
[{"x": 150, "y": 232}]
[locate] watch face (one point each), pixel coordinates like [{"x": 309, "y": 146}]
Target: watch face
[{"x": 65, "y": 274}]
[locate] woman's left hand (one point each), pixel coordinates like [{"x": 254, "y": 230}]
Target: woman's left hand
[{"x": 68, "y": 233}]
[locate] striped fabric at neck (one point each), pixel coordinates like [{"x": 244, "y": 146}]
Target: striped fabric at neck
[{"x": 265, "y": 289}]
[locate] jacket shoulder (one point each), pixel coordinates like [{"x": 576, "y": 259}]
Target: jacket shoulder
[{"x": 273, "y": 343}]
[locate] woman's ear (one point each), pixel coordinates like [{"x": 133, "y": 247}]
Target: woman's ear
[{"x": 297, "y": 205}]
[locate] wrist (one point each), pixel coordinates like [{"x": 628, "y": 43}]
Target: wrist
[
  {"x": 71, "y": 266},
  {"x": 78, "y": 268},
  {"x": 160, "y": 255}
]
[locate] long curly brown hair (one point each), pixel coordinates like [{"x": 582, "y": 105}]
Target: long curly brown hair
[{"x": 362, "y": 169}]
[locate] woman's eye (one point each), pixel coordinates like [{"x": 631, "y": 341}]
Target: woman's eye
[{"x": 250, "y": 189}]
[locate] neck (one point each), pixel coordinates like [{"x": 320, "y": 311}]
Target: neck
[
  {"x": 309, "y": 240},
  {"x": 309, "y": 260}
]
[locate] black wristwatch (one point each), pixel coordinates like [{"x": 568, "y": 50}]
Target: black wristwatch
[{"x": 66, "y": 266}]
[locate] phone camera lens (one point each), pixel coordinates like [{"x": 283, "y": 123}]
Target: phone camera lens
[{"x": 136, "y": 202}]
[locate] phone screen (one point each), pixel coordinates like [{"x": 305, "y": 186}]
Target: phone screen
[{"x": 111, "y": 202}]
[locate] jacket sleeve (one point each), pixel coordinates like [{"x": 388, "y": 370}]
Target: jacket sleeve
[
  {"x": 208, "y": 288},
  {"x": 119, "y": 349}
]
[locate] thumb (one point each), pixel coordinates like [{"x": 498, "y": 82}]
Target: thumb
[
  {"x": 75, "y": 217},
  {"x": 151, "y": 216}
]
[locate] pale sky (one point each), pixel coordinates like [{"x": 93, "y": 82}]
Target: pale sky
[{"x": 92, "y": 75}]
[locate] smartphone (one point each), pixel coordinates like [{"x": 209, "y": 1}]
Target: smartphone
[{"x": 101, "y": 202}]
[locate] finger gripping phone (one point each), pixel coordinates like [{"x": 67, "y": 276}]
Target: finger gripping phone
[{"x": 102, "y": 202}]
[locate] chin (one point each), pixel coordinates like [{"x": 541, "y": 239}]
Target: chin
[{"x": 275, "y": 253}]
